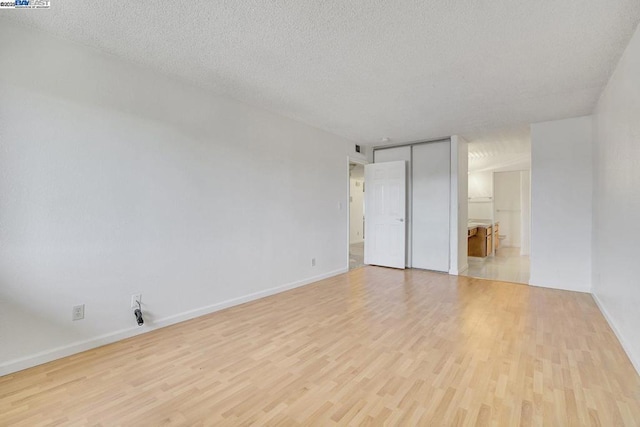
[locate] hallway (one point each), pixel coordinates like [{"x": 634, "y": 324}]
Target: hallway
[{"x": 356, "y": 255}]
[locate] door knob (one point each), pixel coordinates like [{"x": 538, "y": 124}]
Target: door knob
[{"x": 401, "y": 219}]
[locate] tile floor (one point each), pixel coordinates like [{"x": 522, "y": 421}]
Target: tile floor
[
  {"x": 506, "y": 265},
  {"x": 356, "y": 255}
]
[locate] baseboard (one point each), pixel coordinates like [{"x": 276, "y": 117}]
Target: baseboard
[
  {"x": 30, "y": 361},
  {"x": 561, "y": 288},
  {"x": 612, "y": 325},
  {"x": 463, "y": 269}
]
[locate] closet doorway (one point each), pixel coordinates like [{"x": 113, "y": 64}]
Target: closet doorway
[{"x": 428, "y": 185}]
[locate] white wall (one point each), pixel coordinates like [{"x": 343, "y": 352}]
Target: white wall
[
  {"x": 561, "y": 204},
  {"x": 480, "y": 184},
  {"x": 117, "y": 180},
  {"x": 525, "y": 218},
  {"x": 356, "y": 204},
  {"x": 480, "y": 195},
  {"x": 508, "y": 212},
  {"x": 459, "y": 209},
  {"x": 617, "y": 200}
]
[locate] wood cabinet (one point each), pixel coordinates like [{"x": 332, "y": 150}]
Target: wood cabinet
[{"x": 482, "y": 240}]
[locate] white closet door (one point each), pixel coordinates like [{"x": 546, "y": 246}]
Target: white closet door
[{"x": 431, "y": 192}]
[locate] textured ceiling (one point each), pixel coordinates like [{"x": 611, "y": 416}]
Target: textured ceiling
[
  {"x": 369, "y": 69},
  {"x": 503, "y": 150}
]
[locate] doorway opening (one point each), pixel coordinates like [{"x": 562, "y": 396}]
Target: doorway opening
[
  {"x": 499, "y": 229},
  {"x": 356, "y": 215}
]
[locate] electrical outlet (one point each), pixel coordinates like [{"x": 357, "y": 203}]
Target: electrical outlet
[
  {"x": 77, "y": 312},
  {"x": 134, "y": 300},
  {"x": 313, "y": 262}
]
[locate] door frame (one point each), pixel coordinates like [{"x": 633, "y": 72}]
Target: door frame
[{"x": 349, "y": 161}]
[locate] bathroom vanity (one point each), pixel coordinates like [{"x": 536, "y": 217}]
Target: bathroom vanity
[{"x": 482, "y": 238}]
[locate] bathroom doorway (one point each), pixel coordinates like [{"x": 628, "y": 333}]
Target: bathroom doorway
[
  {"x": 499, "y": 204},
  {"x": 356, "y": 215}
]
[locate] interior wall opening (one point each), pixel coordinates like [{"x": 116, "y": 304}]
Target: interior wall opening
[
  {"x": 499, "y": 203},
  {"x": 356, "y": 215}
]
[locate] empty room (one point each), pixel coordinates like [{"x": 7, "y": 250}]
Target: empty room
[{"x": 294, "y": 213}]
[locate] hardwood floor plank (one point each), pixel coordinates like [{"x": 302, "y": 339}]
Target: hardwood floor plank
[{"x": 371, "y": 347}]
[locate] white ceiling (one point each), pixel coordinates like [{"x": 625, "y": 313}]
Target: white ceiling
[
  {"x": 369, "y": 69},
  {"x": 503, "y": 150}
]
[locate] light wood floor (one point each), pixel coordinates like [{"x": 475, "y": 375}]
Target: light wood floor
[{"x": 372, "y": 346}]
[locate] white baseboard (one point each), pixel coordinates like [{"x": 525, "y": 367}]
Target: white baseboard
[
  {"x": 459, "y": 271},
  {"x": 585, "y": 290},
  {"x": 463, "y": 269},
  {"x": 30, "y": 361},
  {"x": 623, "y": 343}
]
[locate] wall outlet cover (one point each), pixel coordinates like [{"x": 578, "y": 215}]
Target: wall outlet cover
[
  {"x": 78, "y": 312},
  {"x": 134, "y": 300}
]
